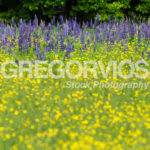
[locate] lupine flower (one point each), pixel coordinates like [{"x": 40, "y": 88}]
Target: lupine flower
[
  {"x": 61, "y": 20},
  {"x": 35, "y": 21},
  {"x": 69, "y": 48},
  {"x": 62, "y": 46},
  {"x": 29, "y": 36},
  {"x": 82, "y": 38}
]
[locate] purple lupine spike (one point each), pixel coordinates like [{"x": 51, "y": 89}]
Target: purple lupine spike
[
  {"x": 47, "y": 36},
  {"x": 4, "y": 41},
  {"x": 132, "y": 31},
  {"x": 58, "y": 25},
  {"x": 61, "y": 20},
  {"x": 8, "y": 31},
  {"x": 82, "y": 39},
  {"x": 97, "y": 33},
  {"x": 48, "y": 48},
  {"x": 67, "y": 29},
  {"x": 84, "y": 25},
  {"x": 42, "y": 25},
  {"x": 21, "y": 21},
  {"x": 91, "y": 24},
  {"x": 88, "y": 42},
  {"x": 112, "y": 39},
  {"x": 29, "y": 23},
  {"x": 108, "y": 38},
  {"x": 69, "y": 48},
  {"x": 92, "y": 36},
  {"x": 26, "y": 46},
  {"x": 118, "y": 33},
  {"x": 14, "y": 31},
  {"x": 53, "y": 20},
  {"x": 13, "y": 22},
  {"x": 22, "y": 36},
  {"x": 37, "y": 50},
  {"x": 124, "y": 33},
  {"x": 63, "y": 32},
  {"x": 62, "y": 46},
  {"x": 76, "y": 29},
  {"x": 49, "y": 27},
  {"x": 74, "y": 25},
  {"x": 35, "y": 21}
]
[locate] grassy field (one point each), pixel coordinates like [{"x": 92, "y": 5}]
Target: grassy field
[{"x": 45, "y": 114}]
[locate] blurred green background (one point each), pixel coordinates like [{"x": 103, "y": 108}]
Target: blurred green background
[{"x": 84, "y": 10}]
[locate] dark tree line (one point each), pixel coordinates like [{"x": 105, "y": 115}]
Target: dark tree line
[{"x": 82, "y": 9}]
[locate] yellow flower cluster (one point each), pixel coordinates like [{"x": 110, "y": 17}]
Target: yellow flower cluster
[{"x": 42, "y": 114}]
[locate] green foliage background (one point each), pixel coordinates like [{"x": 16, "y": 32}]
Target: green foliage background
[{"x": 82, "y": 9}]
